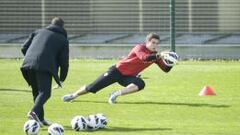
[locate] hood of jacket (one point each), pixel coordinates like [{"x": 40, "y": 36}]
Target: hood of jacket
[{"x": 57, "y": 29}]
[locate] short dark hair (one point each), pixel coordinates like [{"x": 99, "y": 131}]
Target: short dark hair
[
  {"x": 57, "y": 21},
  {"x": 151, "y": 36}
]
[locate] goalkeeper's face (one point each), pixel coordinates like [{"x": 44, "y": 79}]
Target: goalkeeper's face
[{"x": 152, "y": 44}]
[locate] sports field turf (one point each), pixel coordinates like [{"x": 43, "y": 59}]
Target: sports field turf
[{"x": 169, "y": 104}]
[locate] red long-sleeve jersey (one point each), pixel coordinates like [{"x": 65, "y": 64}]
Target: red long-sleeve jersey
[{"x": 137, "y": 60}]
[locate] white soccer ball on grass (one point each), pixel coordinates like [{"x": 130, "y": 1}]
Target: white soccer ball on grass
[
  {"x": 93, "y": 122},
  {"x": 79, "y": 123},
  {"x": 55, "y": 129},
  {"x": 31, "y": 127},
  {"x": 103, "y": 120}
]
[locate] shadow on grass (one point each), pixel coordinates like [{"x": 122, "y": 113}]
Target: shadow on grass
[
  {"x": 129, "y": 129},
  {"x": 65, "y": 128},
  {"x": 115, "y": 129},
  {"x": 179, "y": 104},
  {"x": 13, "y": 90},
  {"x": 163, "y": 103}
]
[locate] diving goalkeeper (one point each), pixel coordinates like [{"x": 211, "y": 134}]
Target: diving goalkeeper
[{"x": 126, "y": 71}]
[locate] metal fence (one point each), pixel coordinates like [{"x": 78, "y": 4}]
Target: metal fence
[{"x": 121, "y": 16}]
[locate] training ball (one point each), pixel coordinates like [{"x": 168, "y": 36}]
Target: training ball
[
  {"x": 79, "y": 123},
  {"x": 31, "y": 127},
  {"x": 103, "y": 120},
  {"x": 55, "y": 129},
  {"x": 93, "y": 122}
]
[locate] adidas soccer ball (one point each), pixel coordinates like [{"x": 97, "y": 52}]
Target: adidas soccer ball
[
  {"x": 55, "y": 129},
  {"x": 103, "y": 120},
  {"x": 31, "y": 127},
  {"x": 93, "y": 122},
  {"x": 79, "y": 123}
]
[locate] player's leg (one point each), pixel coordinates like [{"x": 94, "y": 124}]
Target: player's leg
[
  {"x": 132, "y": 85},
  {"x": 34, "y": 86},
  {"x": 32, "y": 80},
  {"x": 44, "y": 81},
  {"x": 79, "y": 92},
  {"x": 106, "y": 79}
]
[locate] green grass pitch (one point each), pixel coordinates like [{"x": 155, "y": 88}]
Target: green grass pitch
[{"x": 169, "y": 104}]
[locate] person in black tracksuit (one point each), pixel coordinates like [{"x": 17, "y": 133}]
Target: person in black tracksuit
[{"x": 45, "y": 51}]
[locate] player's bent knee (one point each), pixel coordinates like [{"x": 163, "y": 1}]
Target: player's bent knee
[
  {"x": 45, "y": 95},
  {"x": 48, "y": 95},
  {"x": 140, "y": 84}
]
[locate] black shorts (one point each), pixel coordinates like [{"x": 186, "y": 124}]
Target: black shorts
[{"x": 112, "y": 76}]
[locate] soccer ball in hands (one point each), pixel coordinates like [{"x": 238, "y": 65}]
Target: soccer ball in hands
[
  {"x": 169, "y": 58},
  {"x": 31, "y": 127},
  {"x": 79, "y": 123},
  {"x": 56, "y": 129}
]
